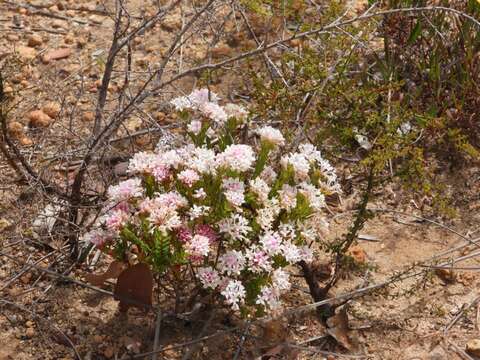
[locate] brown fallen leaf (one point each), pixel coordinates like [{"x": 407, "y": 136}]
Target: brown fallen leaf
[
  {"x": 337, "y": 327},
  {"x": 113, "y": 271},
  {"x": 56, "y": 54},
  {"x": 134, "y": 287}
]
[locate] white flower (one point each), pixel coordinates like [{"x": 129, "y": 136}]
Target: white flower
[
  {"x": 267, "y": 215},
  {"x": 125, "y": 190},
  {"x": 288, "y": 197},
  {"x": 234, "y": 294},
  {"x": 268, "y": 175},
  {"x": 214, "y": 111},
  {"x": 200, "y": 194},
  {"x": 280, "y": 280},
  {"x": 141, "y": 162},
  {"x": 231, "y": 263},
  {"x": 208, "y": 277},
  {"x": 237, "y": 157},
  {"x": 260, "y": 188},
  {"x": 165, "y": 218},
  {"x": 234, "y": 191},
  {"x": 271, "y": 242},
  {"x": 202, "y": 160},
  {"x": 306, "y": 254},
  {"x": 291, "y": 252},
  {"x": 199, "y": 245},
  {"x": 195, "y": 127},
  {"x": 236, "y": 226},
  {"x": 197, "y": 211},
  {"x": 287, "y": 231},
  {"x": 300, "y": 164},
  {"x": 236, "y": 111},
  {"x": 96, "y": 237},
  {"x": 197, "y": 98},
  {"x": 315, "y": 197},
  {"x": 188, "y": 177},
  {"x": 202, "y": 96},
  {"x": 182, "y": 102},
  {"x": 269, "y": 298},
  {"x": 271, "y": 135}
]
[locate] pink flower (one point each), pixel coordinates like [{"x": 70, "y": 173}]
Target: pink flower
[
  {"x": 258, "y": 260},
  {"x": 188, "y": 177},
  {"x": 237, "y": 157},
  {"x": 125, "y": 190},
  {"x": 271, "y": 243},
  {"x": 96, "y": 237},
  {"x": 184, "y": 234},
  {"x": 116, "y": 219},
  {"x": 208, "y": 277},
  {"x": 269, "y": 298},
  {"x": 161, "y": 173},
  {"x": 234, "y": 294},
  {"x": 232, "y": 262},
  {"x": 207, "y": 231},
  {"x": 198, "y": 246},
  {"x": 214, "y": 111}
]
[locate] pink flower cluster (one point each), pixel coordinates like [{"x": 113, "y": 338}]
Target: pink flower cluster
[{"x": 219, "y": 207}]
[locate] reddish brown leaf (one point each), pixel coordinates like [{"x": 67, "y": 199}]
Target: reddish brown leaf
[
  {"x": 338, "y": 328},
  {"x": 56, "y": 54},
  {"x": 134, "y": 287},
  {"x": 112, "y": 272}
]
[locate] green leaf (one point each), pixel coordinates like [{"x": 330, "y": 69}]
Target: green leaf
[{"x": 416, "y": 31}]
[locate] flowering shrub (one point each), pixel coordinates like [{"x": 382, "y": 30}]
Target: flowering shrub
[{"x": 237, "y": 215}]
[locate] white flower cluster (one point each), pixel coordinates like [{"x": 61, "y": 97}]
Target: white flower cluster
[{"x": 238, "y": 218}]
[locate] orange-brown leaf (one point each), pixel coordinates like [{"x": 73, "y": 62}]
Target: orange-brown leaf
[
  {"x": 134, "y": 287},
  {"x": 112, "y": 272}
]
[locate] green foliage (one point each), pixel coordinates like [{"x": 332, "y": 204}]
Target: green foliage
[{"x": 413, "y": 99}]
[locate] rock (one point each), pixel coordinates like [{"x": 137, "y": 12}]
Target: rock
[
  {"x": 448, "y": 276},
  {"x": 4, "y": 224},
  {"x": 98, "y": 339},
  {"x": 88, "y": 116},
  {"x": 38, "y": 118},
  {"x": 473, "y": 347},
  {"x": 81, "y": 42},
  {"x": 8, "y": 89},
  {"x": 26, "y": 52},
  {"x": 69, "y": 39},
  {"x": 15, "y": 129},
  {"x": 221, "y": 51},
  {"x": 12, "y": 37},
  {"x": 26, "y": 141},
  {"x": 358, "y": 254},
  {"x": 438, "y": 353},
  {"x": 52, "y": 109},
  {"x": 58, "y": 24},
  {"x": 56, "y": 54},
  {"x": 30, "y": 332},
  {"x": 34, "y": 40},
  {"x": 108, "y": 352}
]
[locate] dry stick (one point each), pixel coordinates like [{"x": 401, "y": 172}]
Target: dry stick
[
  {"x": 323, "y": 352},
  {"x": 470, "y": 241},
  {"x": 204, "y": 329},
  {"x": 268, "y": 62},
  {"x": 242, "y": 341},
  {"x": 346, "y": 296},
  {"x": 25, "y": 269},
  {"x": 156, "y": 340},
  {"x": 36, "y": 11},
  {"x": 72, "y": 345},
  {"x": 321, "y": 30},
  {"x": 460, "y": 313}
]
